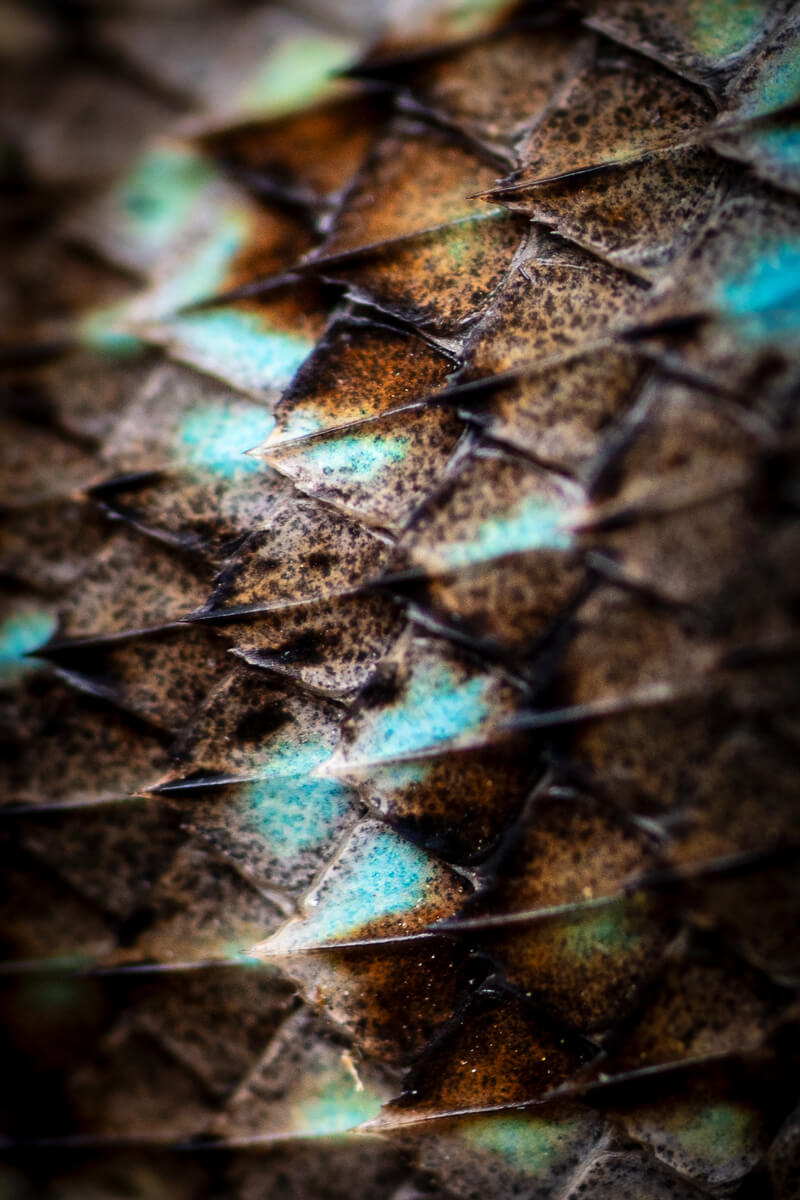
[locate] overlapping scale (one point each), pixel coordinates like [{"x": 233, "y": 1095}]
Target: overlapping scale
[
  {"x": 614, "y": 165},
  {"x": 418, "y": 278},
  {"x": 490, "y": 90},
  {"x": 759, "y": 124},
  {"x": 706, "y": 40},
  {"x": 493, "y": 550}
]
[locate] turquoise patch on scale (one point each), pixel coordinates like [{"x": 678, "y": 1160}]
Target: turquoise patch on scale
[
  {"x": 239, "y": 347},
  {"x": 300, "y": 423},
  {"x": 336, "y": 1104},
  {"x": 765, "y": 293},
  {"x": 359, "y": 457},
  {"x": 403, "y": 774},
  {"x": 294, "y": 73},
  {"x": 529, "y": 1145},
  {"x": 215, "y": 438},
  {"x": 722, "y": 28},
  {"x": 607, "y": 931},
  {"x": 719, "y": 1132},
  {"x": 203, "y": 273},
  {"x": 532, "y": 524},
  {"x": 470, "y": 16},
  {"x": 158, "y": 195},
  {"x": 777, "y": 85},
  {"x": 293, "y": 810},
  {"x": 779, "y": 146},
  {"x": 115, "y": 330},
  {"x": 20, "y": 634},
  {"x": 104, "y": 331},
  {"x": 296, "y": 813},
  {"x": 458, "y": 239},
  {"x": 378, "y": 876},
  {"x": 436, "y": 708}
]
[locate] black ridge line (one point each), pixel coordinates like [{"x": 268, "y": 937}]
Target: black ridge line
[
  {"x": 212, "y": 615},
  {"x": 744, "y": 124},
  {"x": 24, "y": 354},
  {"x": 407, "y": 105},
  {"x": 126, "y": 481},
  {"x": 68, "y": 806},
  {"x": 710, "y": 78},
  {"x": 267, "y": 187},
  {"x": 650, "y": 697},
  {"x": 366, "y": 315},
  {"x": 510, "y": 186},
  {"x": 190, "y": 544},
  {"x": 57, "y": 645},
  {"x": 258, "y": 287},
  {"x": 317, "y": 435},
  {"x": 189, "y": 783},
  {"x": 63, "y": 965},
  {"x": 666, "y": 879},
  {"x": 196, "y": 1144},
  {"x": 381, "y": 316},
  {"x": 519, "y": 662}
]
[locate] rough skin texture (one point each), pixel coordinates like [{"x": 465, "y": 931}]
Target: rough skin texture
[{"x": 431, "y": 770}]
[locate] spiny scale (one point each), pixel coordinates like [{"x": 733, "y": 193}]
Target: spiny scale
[{"x": 430, "y": 770}]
